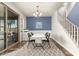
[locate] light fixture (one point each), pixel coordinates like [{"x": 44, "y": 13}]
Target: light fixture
[{"x": 37, "y": 13}]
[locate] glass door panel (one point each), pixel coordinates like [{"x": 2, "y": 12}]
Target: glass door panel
[
  {"x": 2, "y": 39},
  {"x": 12, "y": 23}
]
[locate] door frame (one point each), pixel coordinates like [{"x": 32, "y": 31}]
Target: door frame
[{"x": 5, "y": 28}]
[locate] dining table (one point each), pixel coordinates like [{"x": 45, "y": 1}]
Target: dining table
[{"x": 38, "y": 37}]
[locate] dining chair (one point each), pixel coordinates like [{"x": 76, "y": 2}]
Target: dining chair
[
  {"x": 29, "y": 37},
  {"x": 31, "y": 33},
  {"x": 47, "y": 36}
]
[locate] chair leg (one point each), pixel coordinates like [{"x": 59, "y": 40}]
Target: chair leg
[
  {"x": 49, "y": 45},
  {"x": 42, "y": 46},
  {"x": 34, "y": 44},
  {"x": 43, "y": 43},
  {"x": 28, "y": 44}
]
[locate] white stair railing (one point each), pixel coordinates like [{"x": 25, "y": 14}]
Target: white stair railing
[{"x": 71, "y": 29}]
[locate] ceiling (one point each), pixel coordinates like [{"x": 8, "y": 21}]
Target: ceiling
[{"x": 47, "y": 8}]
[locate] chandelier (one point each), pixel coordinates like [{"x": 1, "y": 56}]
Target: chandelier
[{"x": 37, "y": 13}]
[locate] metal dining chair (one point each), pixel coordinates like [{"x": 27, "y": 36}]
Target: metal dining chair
[
  {"x": 31, "y": 33},
  {"x": 47, "y": 35},
  {"x": 29, "y": 37}
]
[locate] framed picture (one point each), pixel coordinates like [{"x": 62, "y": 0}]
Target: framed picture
[{"x": 38, "y": 25}]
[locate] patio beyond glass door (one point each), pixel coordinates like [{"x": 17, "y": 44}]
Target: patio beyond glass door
[{"x": 12, "y": 29}]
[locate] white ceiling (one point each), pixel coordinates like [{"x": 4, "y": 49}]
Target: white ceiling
[{"x": 47, "y": 8}]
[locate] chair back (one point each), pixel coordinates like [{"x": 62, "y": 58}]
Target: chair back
[
  {"x": 47, "y": 35},
  {"x": 29, "y": 35}
]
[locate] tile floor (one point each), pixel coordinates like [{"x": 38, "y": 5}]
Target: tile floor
[{"x": 38, "y": 51}]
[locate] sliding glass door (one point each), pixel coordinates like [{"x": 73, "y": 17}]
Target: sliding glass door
[
  {"x": 8, "y": 27},
  {"x": 12, "y": 28},
  {"x": 2, "y": 18}
]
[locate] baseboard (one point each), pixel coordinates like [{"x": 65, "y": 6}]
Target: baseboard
[
  {"x": 8, "y": 47},
  {"x": 66, "y": 52}
]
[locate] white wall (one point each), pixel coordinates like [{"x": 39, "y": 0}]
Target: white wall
[
  {"x": 59, "y": 34},
  {"x": 69, "y": 7},
  {"x": 21, "y": 17}
]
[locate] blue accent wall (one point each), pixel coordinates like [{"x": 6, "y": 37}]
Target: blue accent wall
[
  {"x": 46, "y": 23},
  {"x": 74, "y": 15}
]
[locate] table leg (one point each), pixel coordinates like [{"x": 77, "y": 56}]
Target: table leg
[{"x": 38, "y": 45}]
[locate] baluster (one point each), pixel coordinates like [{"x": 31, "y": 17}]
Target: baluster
[{"x": 77, "y": 37}]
